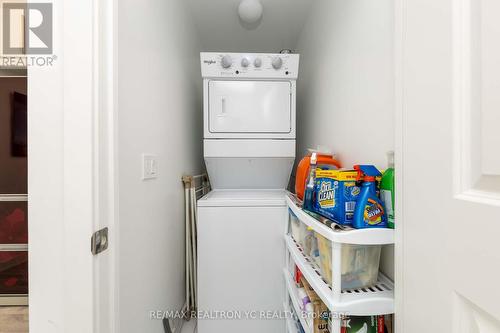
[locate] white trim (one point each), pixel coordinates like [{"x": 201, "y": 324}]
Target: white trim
[
  {"x": 112, "y": 140},
  {"x": 95, "y": 156},
  {"x": 114, "y": 177},
  {"x": 14, "y": 300},
  {"x": 399, "y": 35},
  {"x": 106, "y": 314},
  {"x": 13, "y": 247},
  {"x": 478, "y": 196},
  {"x": 461, "y": 98},
  {"x": 13, "y": 197}
]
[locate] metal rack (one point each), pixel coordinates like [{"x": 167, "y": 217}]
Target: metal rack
[{"x": 194, "y": 188}]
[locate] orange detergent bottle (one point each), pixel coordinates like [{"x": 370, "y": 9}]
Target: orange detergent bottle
[{"x": 323, "y": 158}]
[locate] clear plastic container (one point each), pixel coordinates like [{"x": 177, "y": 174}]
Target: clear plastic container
[
  {"x": 360, "y": 263},
  {"x": 308, "y": 241},
  {"x": 300, "y": 231},
  {"x": 295, "y": 226}
]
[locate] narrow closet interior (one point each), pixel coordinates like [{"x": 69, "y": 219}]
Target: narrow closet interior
[{"x": 344, "y": 104}]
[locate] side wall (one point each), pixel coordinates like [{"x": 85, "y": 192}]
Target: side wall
[
  {"x": 346, "y": 83},
  {"x": 159, "y": 112}
]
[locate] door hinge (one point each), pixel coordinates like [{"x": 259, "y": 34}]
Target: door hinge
[{"x": 99, "y": 241}]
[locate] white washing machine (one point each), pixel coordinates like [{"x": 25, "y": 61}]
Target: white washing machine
[
  {"x": 240, "y": 260},
  {"x": 249, "y": 150}
]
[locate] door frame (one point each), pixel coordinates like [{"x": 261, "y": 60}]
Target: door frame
[
  {"x": 83, "y": 175},
  {"x": 399, "y": 20},
  {"x": 72, "y": 173}
]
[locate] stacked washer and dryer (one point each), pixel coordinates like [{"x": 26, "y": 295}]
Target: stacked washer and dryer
[{"x": 249, "y": 150}]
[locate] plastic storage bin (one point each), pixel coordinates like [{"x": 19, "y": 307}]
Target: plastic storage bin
[
  {"x": 360, "y": 263},
  {"x": 300, "y": 232},
  {"x": 295, "y": 226}
]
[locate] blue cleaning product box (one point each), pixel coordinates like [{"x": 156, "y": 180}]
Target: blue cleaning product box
[{"x": 335, "y": 195}]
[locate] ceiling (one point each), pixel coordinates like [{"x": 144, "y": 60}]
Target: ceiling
[{"x": 220, "y": 28}]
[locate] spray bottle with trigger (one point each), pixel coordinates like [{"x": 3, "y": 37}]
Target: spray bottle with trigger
[
  {"x": 369, "y": 211},
  {"x": 309, "y": 190}
]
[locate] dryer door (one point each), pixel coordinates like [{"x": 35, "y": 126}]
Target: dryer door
[{"x": 249, "y": 107}]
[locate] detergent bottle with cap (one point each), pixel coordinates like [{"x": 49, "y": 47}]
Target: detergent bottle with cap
[
  {"x": 324, "y": 160},
  {"x": 369, "y": 211},
  {"x": 387, "y": 190}
]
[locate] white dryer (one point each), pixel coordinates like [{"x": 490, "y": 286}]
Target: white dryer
[
  {"x": 249, "y": 118},
  {"x": 249, "y": 150}
]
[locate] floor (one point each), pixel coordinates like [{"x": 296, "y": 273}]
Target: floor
[
  {"x": 189, "y": 326},
  {"x": 14, "y": 319}
]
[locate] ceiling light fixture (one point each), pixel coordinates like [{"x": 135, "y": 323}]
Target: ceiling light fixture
[{"x": 250, "y": 11}]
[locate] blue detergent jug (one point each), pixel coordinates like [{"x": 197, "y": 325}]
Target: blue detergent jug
[{"x": 369, "y": 211}]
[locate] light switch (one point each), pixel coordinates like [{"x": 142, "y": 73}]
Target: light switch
[{"x": 149, "y": 166}]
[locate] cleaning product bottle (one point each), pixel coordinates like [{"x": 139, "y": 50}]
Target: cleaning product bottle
[
  {"x": 369, "y": 211},
  {"x": 387, "y": 189},
  {"x": 309, "y": 191},
  {"x": 324, "y": 160}
]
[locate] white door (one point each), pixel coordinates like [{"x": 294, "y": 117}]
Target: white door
[
  {"x": 250, "y": 107},
  {"x": 70, "y": 173},
  {"x": 448, "y": 166}
]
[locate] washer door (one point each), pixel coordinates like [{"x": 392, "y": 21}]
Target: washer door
[{"x": 249, "y": 107}]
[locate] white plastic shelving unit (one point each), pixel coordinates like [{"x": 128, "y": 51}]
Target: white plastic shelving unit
[
  {"x": 290, "y": 322},
  {"x": 376, "y": 236},
  {"x": 375, "y": 300},
  {"x": 305, "y": 321},
  {"x": 290, "y": 325}
]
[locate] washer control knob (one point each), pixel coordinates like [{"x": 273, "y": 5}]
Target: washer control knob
[
  {"x": 257, "y": 62},
  {"x": 245, "y": 62},
  {"x": 226, "y": 61},
  {"x": 277, "y": 63}
]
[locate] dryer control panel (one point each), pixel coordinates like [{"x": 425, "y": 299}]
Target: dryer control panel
[{"x": 249, "y": 65}]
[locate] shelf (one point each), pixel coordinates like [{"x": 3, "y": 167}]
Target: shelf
[
  {"x": 292, "y": 292},
  {"x": 290, "y": 324},
  {"x": 373, "y": 236},
  {"x": 376, "y": 300}
]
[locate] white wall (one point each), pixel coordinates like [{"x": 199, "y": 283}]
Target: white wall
[
  {"x": 221, "y": 30},
  {"x": 159, "y": 112},
  {"x": 346, "y": 83}
]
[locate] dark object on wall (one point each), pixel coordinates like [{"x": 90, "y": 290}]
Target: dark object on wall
[{"x": 19, "y": 128}]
